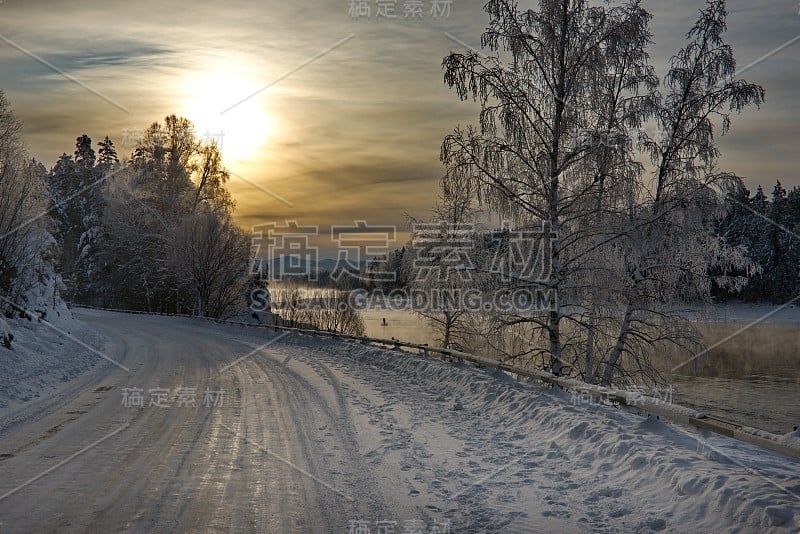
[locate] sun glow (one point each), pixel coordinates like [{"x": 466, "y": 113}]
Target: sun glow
[{"x": 214, "y": 103}]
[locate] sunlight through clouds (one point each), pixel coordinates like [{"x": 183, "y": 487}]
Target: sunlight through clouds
[
  {"x": 242, "y": 132},
  {"x": 374, "y": 110}
]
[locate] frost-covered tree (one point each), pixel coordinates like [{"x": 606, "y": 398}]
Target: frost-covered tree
[
  {"x": 209, "y": 256},
  {"x": 27, "y": 248},
  {"x": 134, "y": 246},
  {"x": 63, "y": 184},
  {"x": 171, "y": 191},
  {"x": 562, "y": 84},
  {"x": 75, "y": 183},
  {"x": 566, "y": 94},
  {"x": 673, "y": 246}
]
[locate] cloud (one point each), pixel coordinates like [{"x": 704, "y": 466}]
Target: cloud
[{"x": 359, "y": 129}]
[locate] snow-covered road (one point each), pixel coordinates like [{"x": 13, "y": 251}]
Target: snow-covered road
[{"x": 206, "y": 433}]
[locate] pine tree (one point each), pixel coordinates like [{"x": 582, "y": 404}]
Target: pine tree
[
  {"x": 781, "y": 277},
  {"x": 75, "y": 186},
  {"x": 84, "y": 159},
  {"x": 62, "y": 182},
  {"x": 107, "y": 159}
]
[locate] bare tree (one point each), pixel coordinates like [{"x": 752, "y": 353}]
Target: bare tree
[
  {"x": 27, "y": 248},
  {"x": 441, "y": 273},
  {"x": 565, "y": 96},
  {"x": 672, "y": 246},
  {"x": 329, "y": 310},
  {"x": 210, "y": 180},
  {"x": 523, "y": 161},
  {"x": 210, "y": 254}
]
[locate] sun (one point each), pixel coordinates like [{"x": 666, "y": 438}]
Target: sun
[{"x": 217, "y": 102}]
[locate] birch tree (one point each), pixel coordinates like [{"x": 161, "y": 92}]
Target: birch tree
[
  {"x": 547, "y": 112},
  {"x": 673, "y": 245},
  {"x": 434, "y": 265},
  {"x": 566, "y": 93}
]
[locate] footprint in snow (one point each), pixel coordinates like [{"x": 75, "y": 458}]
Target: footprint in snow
[
  {"x": 654, "y": 524},
  {"x": 618, "y": 512},
  {"x": 556, "y": 513}
]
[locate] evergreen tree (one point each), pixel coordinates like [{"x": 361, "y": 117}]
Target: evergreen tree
[
  {"x": 62, "y": 182},
  {"x": 768, "y": 229},
  {"x": 75, "y": 186},
  {"x": 781, "y": 277},
  {"x": 107, "y": 155},
  {"x": 84, "y": 159}
]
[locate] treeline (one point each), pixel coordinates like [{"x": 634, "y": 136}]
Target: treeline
[
  {"x": 769, "y": 230},
  {"x": 153, "y": 233}
]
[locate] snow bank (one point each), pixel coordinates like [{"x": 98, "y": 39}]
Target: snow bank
[
  {"x": 791, "y": 438},
  {"x": 40, "y": 357},
  {"x": 611, "y": 468}
]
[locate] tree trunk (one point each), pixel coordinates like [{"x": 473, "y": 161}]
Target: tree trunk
[
  {"x": 589, "y": 370},
  {"x": 554, "y": 332},
  {"x": 614, "y": 357}
]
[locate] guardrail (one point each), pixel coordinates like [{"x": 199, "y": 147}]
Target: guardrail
[{"x": 632, "y": 401}]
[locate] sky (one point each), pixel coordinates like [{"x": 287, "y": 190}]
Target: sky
[{"x": 346, "y": 113}]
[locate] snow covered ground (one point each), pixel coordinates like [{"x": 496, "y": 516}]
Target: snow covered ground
[
  {"x": 324, "y": 436},
  {"x": 523, "y": 458},
  {"x": 43, "y": 357}
]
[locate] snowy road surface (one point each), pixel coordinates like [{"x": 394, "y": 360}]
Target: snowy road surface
[{"x": 309, "y": 435}]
